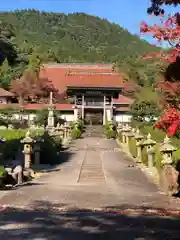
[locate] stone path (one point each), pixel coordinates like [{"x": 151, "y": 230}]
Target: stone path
[{"x": 95, "y": 174}]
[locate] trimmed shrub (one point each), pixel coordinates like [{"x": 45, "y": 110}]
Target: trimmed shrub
[
  {"x": 110, "y": 130},
  {"x": 132, "y": 147},
  {"x": 144, "y": 155},
  {"x": 76, "y": 133}
]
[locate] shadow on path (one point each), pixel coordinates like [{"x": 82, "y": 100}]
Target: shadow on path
[{"x": 45, "y": 221}]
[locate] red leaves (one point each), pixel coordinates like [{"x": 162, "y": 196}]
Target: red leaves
[
  {"x": 169, "y": 122},
  {"x": 32, "y": 88},
  {"x": 168, "y": 31}
]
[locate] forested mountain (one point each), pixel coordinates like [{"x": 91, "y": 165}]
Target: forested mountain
[
  {"x": 74, "y": 37},
  {"x": 77, "y": 37}
]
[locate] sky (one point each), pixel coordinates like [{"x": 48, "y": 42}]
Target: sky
[{"x": 127, "y": 13}]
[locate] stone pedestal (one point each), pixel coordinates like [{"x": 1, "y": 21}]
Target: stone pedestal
[
  {"x": 28, "y": 142},
  {"x": 168, "y": 174}
]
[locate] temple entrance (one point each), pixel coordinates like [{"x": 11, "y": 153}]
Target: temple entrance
[{"x": 93, "y": 116}]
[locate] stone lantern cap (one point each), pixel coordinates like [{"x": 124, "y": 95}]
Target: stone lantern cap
[
  {"x": 130, "y": 133},
  {"x": 149, "y": 141},
  {"x": 126, "y": 128},
  {"x": 28, "y": 138},
  {"x": 138, "y": 135},
  {"x": 167, "y": 146}
]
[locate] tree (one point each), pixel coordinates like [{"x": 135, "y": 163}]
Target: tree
[
  {"x": 169, "y": 122},
  {"x": 144, "y": 110},
  {"x": 5, "y": 74},
  {"x": 168, "y": 31},
  {"x": 157, "y": 6},
  {"x": 7, "y": 48},
  {"x": 33, "y": 89}
]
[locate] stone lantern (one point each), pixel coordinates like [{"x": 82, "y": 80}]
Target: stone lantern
[
  {"x": 65, "y": 130},
  {"x": 167, "y": 150},
  {"x": 61, "y": 131},
  {"x": 125, "y": 130},
  {"x": 28, "y": 142},
  {"x": 168, "y": 175},
  {"x": 138, "y": 137},
  {"x": 119, "y": 127},
  {"x": 129, "y": 134},
  {"x": 149, "y": 143},
  {"x": 37, "y": 149}
]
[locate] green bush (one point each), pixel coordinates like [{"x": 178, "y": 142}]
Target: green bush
[
  {"x": 3, "y": 172},
  {"x": 3, "y": 175},
  {"x": 76, "y": 133},
  {"x": 110, "y": 130},
  {"x": 132, "y": 147},
  {"x": 110, "y": 133}
]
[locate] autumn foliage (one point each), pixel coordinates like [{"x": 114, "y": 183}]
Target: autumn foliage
[
  {"x": 167, "y": 33},
  {"x": 32, "y": 88},
  {"x": 169, "y": 121}
]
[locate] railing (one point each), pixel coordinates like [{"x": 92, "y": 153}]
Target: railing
[{"x": 92, "y": 103}]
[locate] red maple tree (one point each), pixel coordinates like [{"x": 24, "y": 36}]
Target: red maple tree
[
  {"x": 169, "y": 121},
  {"x": 31, "y": 88},
  {"x": 168, "y": 31}
]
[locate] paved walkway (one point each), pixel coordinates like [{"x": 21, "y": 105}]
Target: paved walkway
[{"x": 95, "y": 174}]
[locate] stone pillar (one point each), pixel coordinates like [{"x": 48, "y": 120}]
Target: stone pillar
[
  {"x": 149, "y": 144},
  {"x": 51, "y": 112},
  {"x": 168, "y": 174},
  {"x": 139, "y": 139},
  {"x": 82, "y": 114},
  {"x": 104, "y": 111},
  {"x": 75, "y": 114},
  {"x": 27, "y": 141}
]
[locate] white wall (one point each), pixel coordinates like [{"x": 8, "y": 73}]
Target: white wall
[
  {"x": 3, "y": 100},
  {"x": 69, "y": 117},
  {"x": 122, "y": 117}
]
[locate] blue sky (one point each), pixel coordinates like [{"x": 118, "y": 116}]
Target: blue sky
[{"x": 124, "y": 12}]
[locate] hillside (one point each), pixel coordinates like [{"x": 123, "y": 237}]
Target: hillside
[{"x": 74, "y": 37}]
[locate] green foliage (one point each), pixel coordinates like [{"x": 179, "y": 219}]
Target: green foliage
[
  {"x": 110, "y": 130},
  {"x": 77, "y": 37},
  {"x": 76, "y": 133},
  {"x": 145, "y": 109},
  {"x": 3, "y": 172}
]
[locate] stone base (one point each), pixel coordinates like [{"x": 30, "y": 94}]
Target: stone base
[{"x": 169, "y": 180}]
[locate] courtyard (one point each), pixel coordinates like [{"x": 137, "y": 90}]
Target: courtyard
[{"x": 78, "y": 199}]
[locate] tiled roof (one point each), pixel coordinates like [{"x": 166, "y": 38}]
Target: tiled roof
[
  {"x": 61, "y": 79},
  {"x": 62, "y": 107},
  {"x": 81, "y": 80},
  {"x": 4, "y": 93},
  {"x": 123, "y": 100}
]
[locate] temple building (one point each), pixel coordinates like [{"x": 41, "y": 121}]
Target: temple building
[{"x": 92, "y": 92}]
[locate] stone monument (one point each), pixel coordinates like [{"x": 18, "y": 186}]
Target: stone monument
[{"x": 51, "y": 120}]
